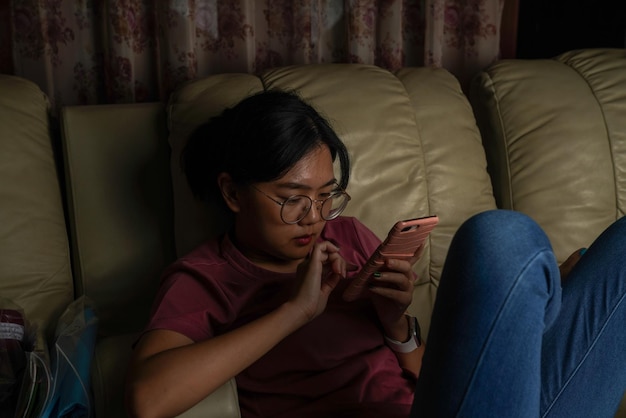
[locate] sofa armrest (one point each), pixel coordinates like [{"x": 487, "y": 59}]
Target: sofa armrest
[
  {"x": 222, "y": 403},
  {"x": 108, "y": 375}
]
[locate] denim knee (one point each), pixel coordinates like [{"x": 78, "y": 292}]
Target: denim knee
[
  {"x": 497, "y": 247},
  {"x": 502, "y": 231}
]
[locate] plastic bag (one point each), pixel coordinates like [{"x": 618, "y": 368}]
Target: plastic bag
[
  {"x": 70, "y": 362},
  {"x": 37, "y": 383},
  {"x": 13, "y": 345},
  {"x": 35, "y": 389}
]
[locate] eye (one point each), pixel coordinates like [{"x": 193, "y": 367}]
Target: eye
[
  {"x": 294, "y": 201},
  {"x": 329, "y": 193}
]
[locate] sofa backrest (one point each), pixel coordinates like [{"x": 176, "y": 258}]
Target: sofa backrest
[
  {"x": 34, "y": 253},
  {"x": 555, "y": 135},
  {"x": 412, "y": 138},
  {"x": 119, "y": 207}
]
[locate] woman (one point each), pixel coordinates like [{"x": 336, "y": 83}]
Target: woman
[{"x": 263, "y": 302}]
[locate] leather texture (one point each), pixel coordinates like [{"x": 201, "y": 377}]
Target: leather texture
[
  {"x": 119, "y": 207},
  {"x": 35, "y": 271},
  {"x": 555, "y": 135},
  {"x": 120, "y": 221}
]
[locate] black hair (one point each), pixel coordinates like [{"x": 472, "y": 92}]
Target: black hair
[{"x": 258, "y": 140}]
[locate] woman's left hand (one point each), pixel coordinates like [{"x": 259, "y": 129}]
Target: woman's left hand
[
  {"x": 569, "y": 264},
  {"x": 392, "y": 292}
]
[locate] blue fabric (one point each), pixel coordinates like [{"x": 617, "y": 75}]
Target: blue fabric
[
  {"x": 74, "y": 396},
  {"x": 71, "y": 364},
  {"x": 506, "y": 340}
]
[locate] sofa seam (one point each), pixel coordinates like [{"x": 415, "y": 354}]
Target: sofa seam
[
  {"x": 505, "y": 143},
  {"x": 426, "y": 165},
  {"x": 75, "y": 253},
  {"x": 570, "y": 64}
]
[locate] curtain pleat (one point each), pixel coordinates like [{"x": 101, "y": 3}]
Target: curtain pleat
[{"x": 125, "y": 51}]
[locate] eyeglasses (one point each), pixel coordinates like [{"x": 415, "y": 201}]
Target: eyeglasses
[{"x": 295, "y": 208}]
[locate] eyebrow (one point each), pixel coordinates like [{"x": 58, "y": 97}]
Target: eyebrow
[{"x": 293, "y": 185}]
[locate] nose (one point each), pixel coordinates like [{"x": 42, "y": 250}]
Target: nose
[{"x": 314, "y": 214}]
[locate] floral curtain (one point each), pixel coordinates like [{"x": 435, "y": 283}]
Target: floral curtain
[{"x": 120, "y": 51}]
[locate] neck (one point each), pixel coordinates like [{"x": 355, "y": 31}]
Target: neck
[{"x": 263, "y": 260}]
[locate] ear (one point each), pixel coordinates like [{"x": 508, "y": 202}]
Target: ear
[{"x": 230, "y": 192}]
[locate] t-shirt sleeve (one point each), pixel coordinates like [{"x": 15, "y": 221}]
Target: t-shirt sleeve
[
  {"x": 190, "y": 303},
  {"x": 368, "y": 240},
  {"x": 356, "y": 241}
]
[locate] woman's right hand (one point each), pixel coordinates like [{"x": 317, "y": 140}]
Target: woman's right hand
[
  {"x": 318, "y": 276},
  {"x": 162, "y": 357}
]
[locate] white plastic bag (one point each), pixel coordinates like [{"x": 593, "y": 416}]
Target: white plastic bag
[{"x": 70, "y": 362}]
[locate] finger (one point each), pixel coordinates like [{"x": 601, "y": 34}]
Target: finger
[
  {"x": 401, "y": 299},
  {"x": 322, "y": 250},
  {"x": 573, "y": 258},
  {"x": 395, "y": 264},
  {"x": 392, "y": 280},
  {"x": 571, "y": 261},
  {"x": 330, "y": 282},
  {"x": 336, "y": 264}
]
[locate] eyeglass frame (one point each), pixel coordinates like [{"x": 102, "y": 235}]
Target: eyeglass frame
[{"x": 318, "y": 202}]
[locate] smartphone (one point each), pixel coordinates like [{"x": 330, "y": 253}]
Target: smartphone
[{"x": 405, "y": 240}]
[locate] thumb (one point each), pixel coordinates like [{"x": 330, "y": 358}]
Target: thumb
[{"x": 330, "y": 282}]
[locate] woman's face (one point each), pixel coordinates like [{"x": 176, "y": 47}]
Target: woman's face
[{"x": 260, "y": 233}]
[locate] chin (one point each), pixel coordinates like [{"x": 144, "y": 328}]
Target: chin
[{"x": 299, "y": 253}]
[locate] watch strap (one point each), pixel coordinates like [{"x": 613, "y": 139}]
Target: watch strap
[{"x": 413, "y": 342}]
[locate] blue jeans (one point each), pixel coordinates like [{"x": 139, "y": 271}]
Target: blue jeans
[{"x": 506, "y": 340}]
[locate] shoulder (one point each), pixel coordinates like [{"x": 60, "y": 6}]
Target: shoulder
[
  {"x": 351, "y": 235},
  {"x": 196, "y": 296},
  {"x": 196, "y": 264},
  {"x": 207, "y": 273},
  {"x": 348, "y": 227}
]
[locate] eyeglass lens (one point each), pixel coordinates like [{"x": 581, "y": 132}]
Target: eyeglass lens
[{"x": 296, "y": 208}]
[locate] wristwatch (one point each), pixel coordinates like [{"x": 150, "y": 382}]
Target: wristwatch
[{"x": 414, "y": 341}]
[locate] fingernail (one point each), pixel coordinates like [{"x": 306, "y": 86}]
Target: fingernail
[
  {"x": 376, "y": 274},
  {"x": 582, "y": 251}
]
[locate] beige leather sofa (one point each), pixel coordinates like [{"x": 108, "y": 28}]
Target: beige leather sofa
[{"x": 114, "y": 210}]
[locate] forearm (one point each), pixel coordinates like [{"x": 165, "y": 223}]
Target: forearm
[
  {"x": 171, "y": 381},
  {"x": 412, "y": 362},
  {"x": 401, "y": 331}
]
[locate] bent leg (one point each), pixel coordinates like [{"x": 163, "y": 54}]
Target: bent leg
[
  {"x": 584, "y": 352},
  {"x": 498, "y": 292}
]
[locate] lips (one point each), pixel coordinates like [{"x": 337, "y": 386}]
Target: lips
[{"x": 304, "y": 239}]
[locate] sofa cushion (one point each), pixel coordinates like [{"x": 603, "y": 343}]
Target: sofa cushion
[
  {"x": 34, "y": 252},
  {"x": 119, "y": 207},
  {"x": 555, "y": 134}
]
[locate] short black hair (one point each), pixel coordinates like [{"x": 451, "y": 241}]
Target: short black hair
[{"x": 258, "y": 140}]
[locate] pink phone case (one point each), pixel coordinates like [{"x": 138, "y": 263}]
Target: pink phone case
[{"x": 405, "y": 240}]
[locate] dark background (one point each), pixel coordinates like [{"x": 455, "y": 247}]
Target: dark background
[{"x": 549, "y": 27}]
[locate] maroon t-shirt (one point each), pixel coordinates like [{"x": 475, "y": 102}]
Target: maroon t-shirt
[{"x": 336, "y": 364}]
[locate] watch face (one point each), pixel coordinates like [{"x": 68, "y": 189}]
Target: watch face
[{"x": 417, "y": 332}]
